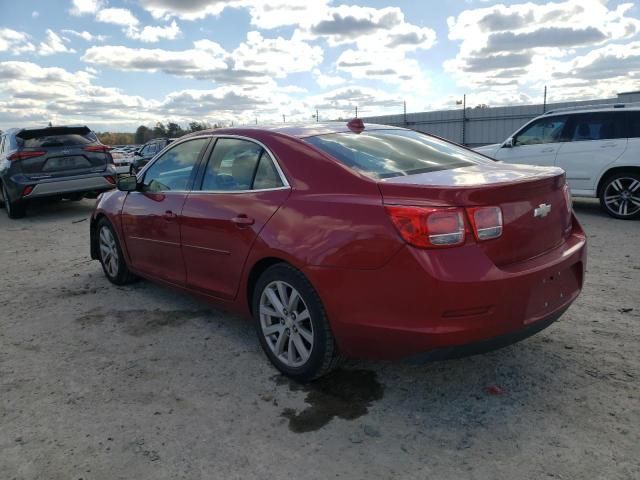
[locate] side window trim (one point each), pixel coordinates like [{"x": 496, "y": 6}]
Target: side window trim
[
  {"x": 197, "y": 186},
  {"x": 194, "y": 171}
]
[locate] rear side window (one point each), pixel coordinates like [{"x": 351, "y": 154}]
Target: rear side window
[
  {"x": 633, "y": 122},
  {"x": 57, "y": 137},
  {"x": 383, "y": 154},
  {"x": 238, "y": 165},
  {"x": 596, "y": 126}
]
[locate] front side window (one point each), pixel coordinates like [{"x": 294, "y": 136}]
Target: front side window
[
  {"x": 238, "y": 165},
  {"x": 173, "y": 170},
  {"x": 545, "y": 130},
  {"x": 391, "y": 153}
]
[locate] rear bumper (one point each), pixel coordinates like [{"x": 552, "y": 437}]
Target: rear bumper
[
  {"x": 424, "y": 301},
  {"x": 48, "y": 187}
]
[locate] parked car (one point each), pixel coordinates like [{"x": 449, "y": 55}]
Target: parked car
[
  {"x": 62, "y": 162},
  {"x": 122, "y": 159},
  {"x": 147, "y": 152},
  {"x": 598, "y": 147},
  {"x": 345, "y": 239}
]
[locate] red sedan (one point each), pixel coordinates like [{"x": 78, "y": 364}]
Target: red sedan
[{"x": 357, "y": 240}]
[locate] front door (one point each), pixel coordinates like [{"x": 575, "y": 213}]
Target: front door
[
  {"x": 536, "y": 144},
  {"x": 241, "y": 189},
  {"x": 150, "y": 217}
]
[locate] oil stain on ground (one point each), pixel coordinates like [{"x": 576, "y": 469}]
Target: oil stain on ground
[
  {"x": 344, "y": 394},
  {"x": 142, "y": 322}
]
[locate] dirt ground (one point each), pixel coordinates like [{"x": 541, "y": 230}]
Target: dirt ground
[{"x": 99, "y": 382}]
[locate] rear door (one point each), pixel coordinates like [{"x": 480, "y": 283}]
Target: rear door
[
  {"x": 594, "y": 141},
  {"x": 537, "y": 143},
  {"x": 150, "y": 217},
  {"x": 241, "y": 188},
  {"x": 63, "y": 151}
]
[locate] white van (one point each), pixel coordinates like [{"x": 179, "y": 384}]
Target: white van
[{"x": 597, "y": 146}]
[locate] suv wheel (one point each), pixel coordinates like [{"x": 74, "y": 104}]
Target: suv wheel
[
  {"x": 292, "y": 325},
  {"x": 620, "y": 195},
  {"x": 111, "y": 258},
  {"x": 14, "y": 209}
]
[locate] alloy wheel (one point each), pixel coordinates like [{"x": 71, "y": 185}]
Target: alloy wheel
[
  {"x": 286, "y": 323},
  {"x": 109, "y": 251},
  {"x": 622, "y": 196}
]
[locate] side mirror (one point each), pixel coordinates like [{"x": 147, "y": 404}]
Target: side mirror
[
  {"x": 137, "y": 153},
  {"x": 508, "y": 143},
  {"x": 128, "y": 184}
]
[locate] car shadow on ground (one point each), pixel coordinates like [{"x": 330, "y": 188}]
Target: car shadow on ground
[{"x": 50, "y": 210}]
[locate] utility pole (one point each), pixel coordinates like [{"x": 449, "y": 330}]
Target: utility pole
[
  {"x": 356, "y": 111},
  {"x": 317, "y": 116},
  {"x": 544, "y": 105},
  {"x": 284, "y": 118},
  {"x": 464, "y": 117},
  {"x": 405, "y": 112}
]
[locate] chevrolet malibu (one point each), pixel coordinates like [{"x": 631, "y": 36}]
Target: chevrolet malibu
[{"x": 349, "y": 240}]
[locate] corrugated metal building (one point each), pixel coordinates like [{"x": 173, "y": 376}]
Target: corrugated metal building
[{"x": 483, "y": 125}]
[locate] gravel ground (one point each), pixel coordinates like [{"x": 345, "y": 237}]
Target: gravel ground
[{"x": 99, "y": 382}]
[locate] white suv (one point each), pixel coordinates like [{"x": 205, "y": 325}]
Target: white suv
[{"x": 598, "y": 147}]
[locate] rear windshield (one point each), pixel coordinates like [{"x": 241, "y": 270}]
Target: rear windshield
[
  {"x": 392, "y": 153},
  {"x": 57, "y": 137}
]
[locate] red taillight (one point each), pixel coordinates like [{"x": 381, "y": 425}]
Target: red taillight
[
  {"x": 356, "y": 125},
  {"x": 486, "y": 222},
  {"x": 97, "y": 148},
  {"x": 429, "y": 227},
  {"x": 27, "y": 190},
  {"x": 110, "y": 179},
  {"x": 25, "y": 154}
]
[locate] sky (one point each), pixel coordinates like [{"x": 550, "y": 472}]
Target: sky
[{"x": 117, "y": 64}]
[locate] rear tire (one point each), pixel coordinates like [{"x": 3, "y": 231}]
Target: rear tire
[
  {"x": 14, "y": 210},
  {"x": 292, "y": 325},
  {"x": 110, "y": 254},
  {"x": 620, "y": 195}
]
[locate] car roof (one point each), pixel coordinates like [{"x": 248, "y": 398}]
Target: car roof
[
  {"x": 611, "y": 107},
  {"x": 299, "y": 130}
]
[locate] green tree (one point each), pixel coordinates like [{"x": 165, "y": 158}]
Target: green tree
[{"x": 142, "y": 134}]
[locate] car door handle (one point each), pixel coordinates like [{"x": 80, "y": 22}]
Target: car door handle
[
  {"x": 608, "y": 145},
  {"x": 169, "y": 215},
  {"x": 548, "y": 150},
  {"x": 243, "y": 221}
]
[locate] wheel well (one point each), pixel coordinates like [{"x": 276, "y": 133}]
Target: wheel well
[
  {"x": 93, "y": 237},
  {"x": 613, "y": 171},
  {"x": 257, "y": 270}
]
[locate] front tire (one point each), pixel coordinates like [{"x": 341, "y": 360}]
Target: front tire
[
  {"x": 620, "y": 195},
  {"x": 292, "y": 324},
  {"x": 111, "y": 257}
]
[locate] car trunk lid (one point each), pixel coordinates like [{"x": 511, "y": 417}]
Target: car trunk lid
[{"x": 536, "y": 217}]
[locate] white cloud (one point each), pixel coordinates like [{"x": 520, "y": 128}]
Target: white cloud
[
  {"x": 15, "y": 42},
  {"x": 35, "y": 14},
  {"x": 117, "y": 16},
  {"x": 325, "y": 80},
  {"x": 89, "y": 37},
  {"x": 151, "y": 34},
  {"x": 82, "y": 7},
  {"x": 53, "y": 44},
  {"x": 254, "y": 61}
]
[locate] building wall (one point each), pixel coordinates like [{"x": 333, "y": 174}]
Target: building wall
[{"x": 483, "y": 125}]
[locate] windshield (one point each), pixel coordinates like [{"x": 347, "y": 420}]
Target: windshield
[{"x": 391, "y": 153}]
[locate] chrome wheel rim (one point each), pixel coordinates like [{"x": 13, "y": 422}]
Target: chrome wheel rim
[
  {"x": 286, "y": 324},
  {"x": 109, "y": 251},
  {"x": 622, "y": 196}
]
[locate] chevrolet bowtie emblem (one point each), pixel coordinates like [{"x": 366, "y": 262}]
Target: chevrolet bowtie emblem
[{"x": 542, "y": 210}]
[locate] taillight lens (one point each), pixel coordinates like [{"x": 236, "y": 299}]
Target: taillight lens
[
  {"x": 97, "y": 148},
  {"x": 429, "y": 227},
  {"x": 110, "y": 179},
  {"x": 25, "y": 154},
  {"x": 27, "y": 190},
  {"x": 486, "y": 222}
]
